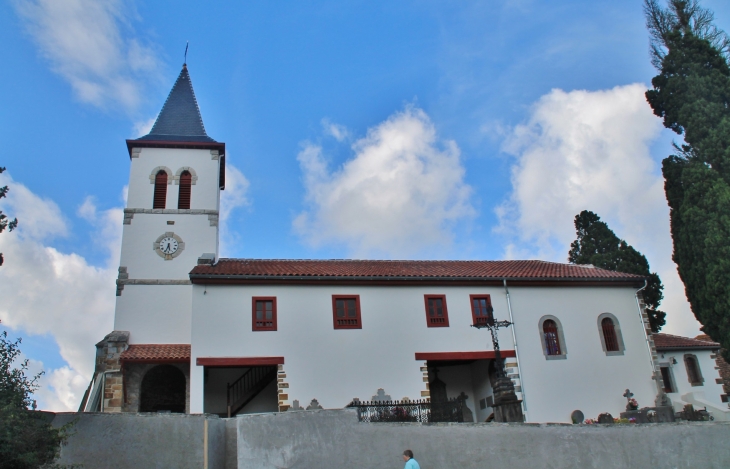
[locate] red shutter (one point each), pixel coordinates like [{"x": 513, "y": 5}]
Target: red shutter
[
  {"x": 160, "y": 190},
  {"x": 183, "y": 199},
  {"x": 609, "y": 335},
  {"x": 436, "y": 313},
  {"x": 346, "y": 312},
  {"x": 482, "y": 312}
]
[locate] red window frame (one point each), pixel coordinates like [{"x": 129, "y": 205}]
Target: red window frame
[
  {"x": 479, "y": 319},
  {"x": 434, "y": 320},
  {"x": 261, "y": 325},
  {"x": 160, "y": 198},
  {"x": 346, "y": 322}
]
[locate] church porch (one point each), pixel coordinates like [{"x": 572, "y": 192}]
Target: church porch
[
  {"x": 468, "y": 375},
  {"x": 240, "y": 385}
]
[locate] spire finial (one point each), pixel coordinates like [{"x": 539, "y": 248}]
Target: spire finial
[{"x": 185, "y": 63}]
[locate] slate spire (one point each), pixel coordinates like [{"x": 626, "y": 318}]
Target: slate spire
[{"x": 179, "y": 120}]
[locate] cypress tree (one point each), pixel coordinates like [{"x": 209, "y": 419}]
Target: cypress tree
[
  {"x": 692, "y": 96},
  {"x": 598, "y": 245}
]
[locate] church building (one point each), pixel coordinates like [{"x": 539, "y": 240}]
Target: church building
[{"x": 196, "y": 333}]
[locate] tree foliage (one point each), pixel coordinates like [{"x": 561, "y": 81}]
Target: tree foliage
[
  {"x": 598, "y": 245},
  {"x": 692, "y": 95},
  {"x": 27, "y": 439},
  {"x": 5, "y": 222}
]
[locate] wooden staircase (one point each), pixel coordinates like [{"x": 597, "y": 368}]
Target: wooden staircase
[{"x": 249, "y": 385}]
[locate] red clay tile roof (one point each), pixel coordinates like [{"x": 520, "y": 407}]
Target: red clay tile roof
[
  {"x": 674, "y": 342},
  {"x": 154, "y": 353},
  {"x": 369, "y": 269}
]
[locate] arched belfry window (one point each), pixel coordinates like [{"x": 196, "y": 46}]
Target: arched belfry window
[
  {"x": 183, "y": 199},
  {"x": 160, "y": 189},
  {"x": 551, "y": 336},
  {"x": 609, "y": 331}
]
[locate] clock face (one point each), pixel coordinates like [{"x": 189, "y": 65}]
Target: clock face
[{"x": 169, "y": 245}]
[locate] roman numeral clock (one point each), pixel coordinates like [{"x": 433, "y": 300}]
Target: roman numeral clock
[{"x": 168, "y": 246}]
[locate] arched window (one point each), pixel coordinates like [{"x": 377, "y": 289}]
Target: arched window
[
  {"x": 552, "y": 342},
  {"x": 610, "y": 334},
  {"x": 183, "y": 199},
  {"x": 160, "y": 190},
  {"x": 693, "y": 370},
  {"x": 163, "y": 388},
  {"x": 551, "y": 336}
]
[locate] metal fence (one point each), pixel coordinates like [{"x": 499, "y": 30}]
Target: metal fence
[{"x": 410, "y": 411}]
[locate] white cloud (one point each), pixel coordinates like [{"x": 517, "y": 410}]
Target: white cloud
[
  {"x": 47, "y": 292},
  {"x": 400, "y": 193},
  {"x": 339, "y": 132},
  {"x": 142, "y": 128},
  {"x": 234, "y": 196},
  {"x": 590, "y": 150},
  {"x": 87, "y": 42}
]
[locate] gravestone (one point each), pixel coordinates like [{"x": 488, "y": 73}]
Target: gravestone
[
  {"x": 577, "y": 417},
  {"x": 605, "y": 418}
]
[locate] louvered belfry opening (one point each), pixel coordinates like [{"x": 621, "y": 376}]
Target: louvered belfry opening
[
  {"x": 609, "y": 335},
  {"x": 552, "y": 343},
  {"x": 183, "y": 200},
  {"x": 160, "y": 190}
]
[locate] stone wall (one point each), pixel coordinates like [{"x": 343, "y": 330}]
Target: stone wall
[
  {"x": 334, "y": 438},
  {"x": 108, "y": 352}
]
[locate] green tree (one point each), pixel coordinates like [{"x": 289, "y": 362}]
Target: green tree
[
  {"x": 692, "y": 95},
  {"x": 4, "y": 221},
  {"x": 27, "y": 439},
  {"x": 598, "y": 245}
]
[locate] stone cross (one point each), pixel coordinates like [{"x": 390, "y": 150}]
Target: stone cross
[{"x": 628, "y": 395}]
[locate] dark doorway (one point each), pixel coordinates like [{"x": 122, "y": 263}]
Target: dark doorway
[{"x": 163, "y": 389}]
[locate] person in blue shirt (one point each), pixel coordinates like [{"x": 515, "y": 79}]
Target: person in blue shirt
[{"x": 410, "y": 462}]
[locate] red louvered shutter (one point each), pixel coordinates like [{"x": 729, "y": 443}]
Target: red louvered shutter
[
  {"x": 183, "y": 200},
  {"x": 609, "y": 335},
  {"x": 552, "y": 342},
  {"x": 160, "y": 190}
]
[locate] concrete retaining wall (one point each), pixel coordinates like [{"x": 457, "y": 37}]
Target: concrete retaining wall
[
  {"x": 126, "y": 441},
  {"x": 334, "y": 438}
]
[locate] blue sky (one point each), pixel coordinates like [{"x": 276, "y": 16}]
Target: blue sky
[{"x": 516, "y": 115}]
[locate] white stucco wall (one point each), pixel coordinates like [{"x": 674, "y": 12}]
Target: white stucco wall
[
  {"x": 160, "y": 314},
  {"x": 139, "y": 237},
  {"x": 204, "y": 193},
  {"x": 335, "y": 366},
  {"x": 155, "y": 314},
  {"x": 587, "y": 379},
  {"x": 708, "y": 394}
]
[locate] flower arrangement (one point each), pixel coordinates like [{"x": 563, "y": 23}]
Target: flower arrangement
[
  {"x": 633, "y": 404},
  {"x": 615, "y": 420}
]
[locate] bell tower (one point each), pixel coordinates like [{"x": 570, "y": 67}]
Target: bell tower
[{"x": 170, "y": 222}]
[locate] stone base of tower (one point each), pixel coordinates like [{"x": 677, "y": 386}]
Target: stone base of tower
[{"x": 106, "y": 391}]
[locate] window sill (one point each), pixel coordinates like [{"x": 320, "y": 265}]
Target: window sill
[
  {"x": 613, "y": 354},
  {"x": 556, "y": 357},
  {"x": 698, "y": 384}
]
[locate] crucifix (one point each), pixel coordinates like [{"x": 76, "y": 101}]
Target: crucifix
[
  {"x": 493, "y": 327},
  {"x": 507, "y": 408}
]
